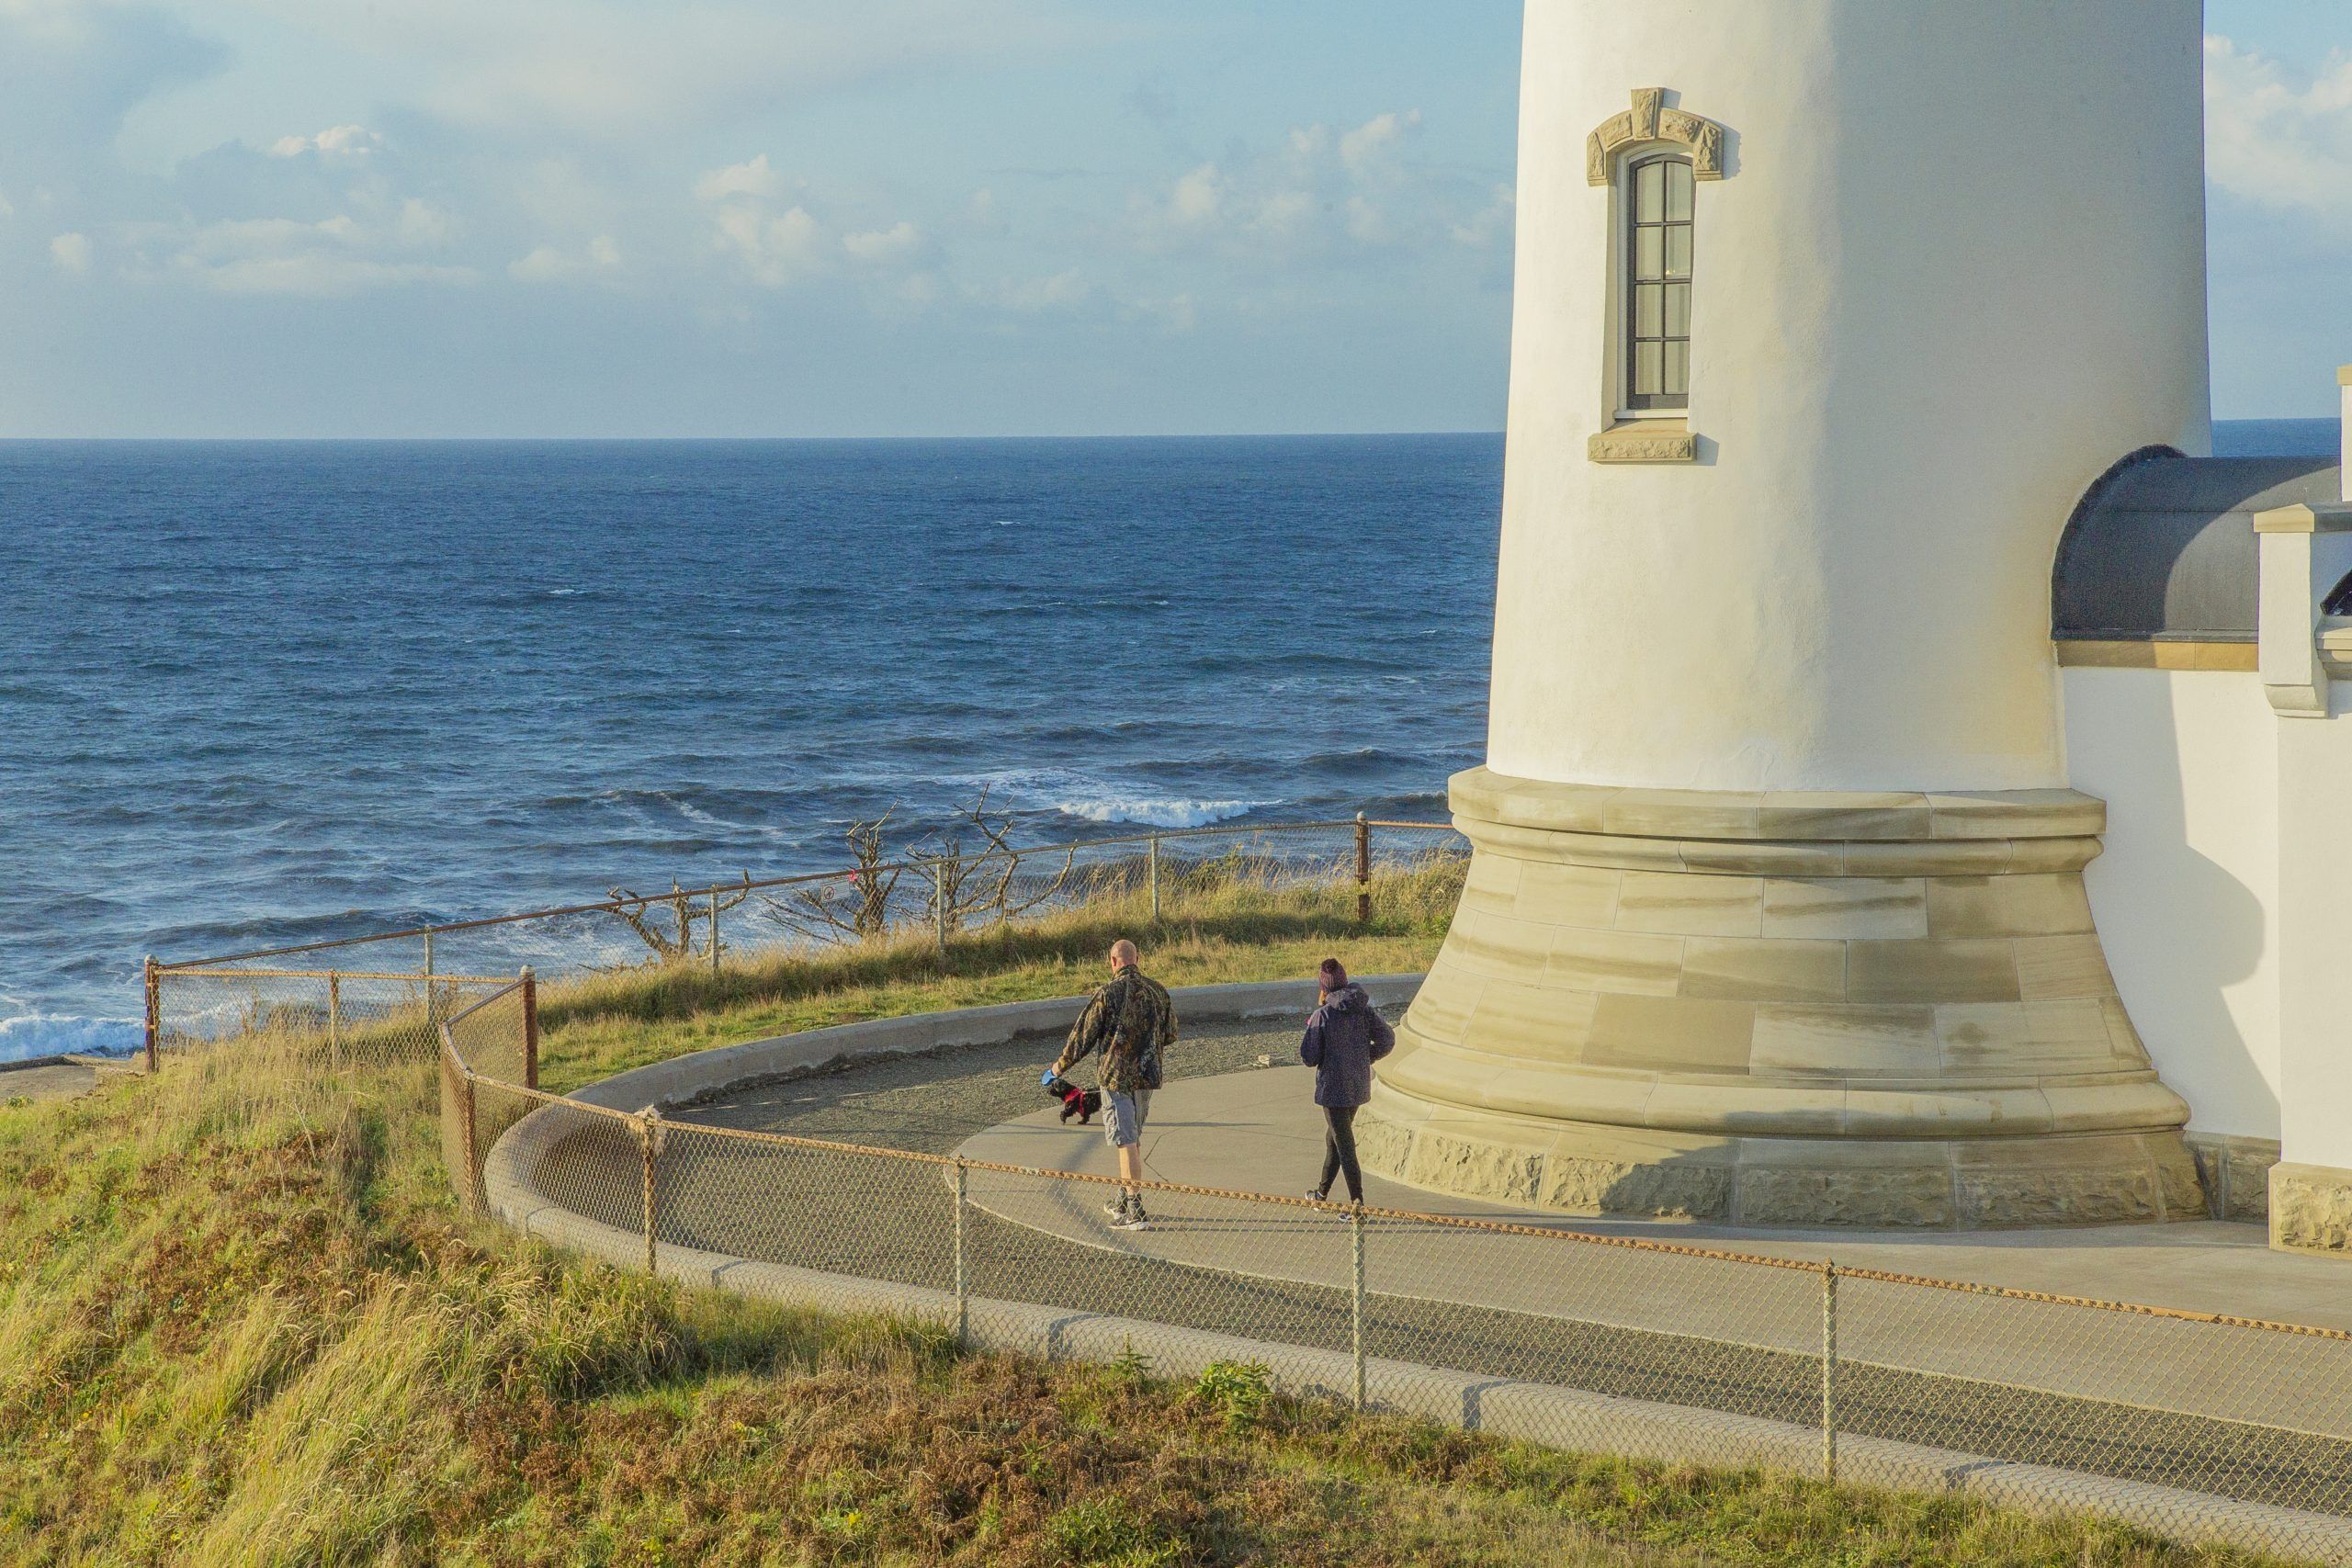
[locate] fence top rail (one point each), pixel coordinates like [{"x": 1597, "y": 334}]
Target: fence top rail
[
  {"x": 748, "y": 883},
  {"x": 510, "y": 988},
  {"x": 414, "y": 977},
  {"x": 1403, "y": 1216}
]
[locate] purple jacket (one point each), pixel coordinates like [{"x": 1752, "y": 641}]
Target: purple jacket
[{"x": 1344, "y": 1038}]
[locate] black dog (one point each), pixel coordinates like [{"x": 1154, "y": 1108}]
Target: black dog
[{"x": 1081, "y": 1103}]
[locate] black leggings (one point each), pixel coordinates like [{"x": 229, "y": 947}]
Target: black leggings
[{"x": 1340, "y": 1151}]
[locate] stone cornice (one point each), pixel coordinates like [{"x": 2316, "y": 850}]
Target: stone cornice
[{"x": 1650, "y": 120}]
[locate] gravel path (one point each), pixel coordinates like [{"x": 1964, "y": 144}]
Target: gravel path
[{"x": 896, "y": 1220}]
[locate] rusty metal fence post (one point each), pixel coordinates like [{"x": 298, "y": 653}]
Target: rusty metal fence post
[
  {"x": 471, "y": 1189},
  {"x": 1364, "y": 870},
  {"x": 648, "y": 1138},
  {"x": 334, "y": 1020},
  {"x": 155, "y": 1009},
  {"x": 432, "y": 1008},
  {"x": 1355, "y": 1228},
  {"x": 530, "y": 1028},
  {"x": 1829, "y": 1373},
  {"x": 963, "y": 1285},
  {"x": 1151, "y": 860},
  {"x": 714, "y": 931}
]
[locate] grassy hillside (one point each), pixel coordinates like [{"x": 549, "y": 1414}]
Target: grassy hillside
[
  {"x": 1217, "y": 929},
  {"x": 241, "y": 1321}
]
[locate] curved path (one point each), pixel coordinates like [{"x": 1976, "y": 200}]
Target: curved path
[{"x": 1652, "y": 1327}]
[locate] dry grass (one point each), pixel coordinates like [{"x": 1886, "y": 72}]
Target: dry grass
[
  {"x": 1232, "y": 927},
  {"x": 240, "y": 1322}
]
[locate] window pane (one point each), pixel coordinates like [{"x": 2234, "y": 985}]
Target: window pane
[
  {"x": 1678, "y": 192},
  {"x": 1677, "y": 369},
  {"x": 1647, "y": 368},
  {"x": 1649, "y": 309},
  {"x": 1678, "y": 249},
  {"x": 1649, "y": 253},
  {"x": 1650, "y": 181},
  {"x": 1677, "y": 309}
]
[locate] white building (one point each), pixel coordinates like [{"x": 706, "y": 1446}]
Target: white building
[{"x": 1831, "y": 314}]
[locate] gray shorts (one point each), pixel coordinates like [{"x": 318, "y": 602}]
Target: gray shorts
[{"x": 1123, "y": 1116}]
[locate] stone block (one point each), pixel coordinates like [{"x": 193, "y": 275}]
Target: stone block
[
  {"x": 2106, "y": 1182},
  {"x": 1555, "y": 894},
  {"x": 1492, "y": 883},
  {"x": 2054, "y": 967},
  {"x": 1935, "y": 970},
  {"x": 1762, "y": 970},
  {"x": 1491, "y": 945},
  {"x": 2043, "y": 905},
  {"x": 1844, "y": 817},
  {"x": 1916, "y": 1197},
  {"x": 2311, "y": 1208},
  {"x": 1457, "y": 1158},
  {"x": 1845, "y": 909},
  {"x": 1545, "y": 1023},
  {"x": 1683, "y": 905},
  {"x": 1442, "y": 1011},
  {"x": 1844, "y": 1040},
  {"x": 1672, "y": 1186},
  {"x": 1631, "y": 961},
  {"x": 1671, "y": 1033}
]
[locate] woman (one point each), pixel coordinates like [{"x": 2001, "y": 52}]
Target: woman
[{"x": 1344, "y": 1038}]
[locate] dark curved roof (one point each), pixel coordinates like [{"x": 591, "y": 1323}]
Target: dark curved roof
[{"x": 2162, "y": 547}]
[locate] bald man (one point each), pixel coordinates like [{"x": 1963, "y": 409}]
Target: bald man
[{"x": 1131, "y": 1022}]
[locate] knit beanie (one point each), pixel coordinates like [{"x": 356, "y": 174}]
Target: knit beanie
[{"x": 1333, "y": 974}]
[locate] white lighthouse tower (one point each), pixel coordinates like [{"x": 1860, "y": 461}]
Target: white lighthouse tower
[{"x": 1827, "y": 312}]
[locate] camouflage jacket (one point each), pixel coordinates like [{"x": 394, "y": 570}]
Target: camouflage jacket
[{"x": 1132, "y": 1023}]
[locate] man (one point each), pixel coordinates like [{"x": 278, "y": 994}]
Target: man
[{"x": 1132, "y": 1023}]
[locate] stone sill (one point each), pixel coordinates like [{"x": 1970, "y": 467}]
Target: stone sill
[
  {"x": 1644, "y": 441},
  {"x": 2081, "y": 654}
]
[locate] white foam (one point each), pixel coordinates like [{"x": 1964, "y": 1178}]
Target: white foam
[
  {"x": 1158, "y": 813},
  {"x": 55, "y": 1034}
]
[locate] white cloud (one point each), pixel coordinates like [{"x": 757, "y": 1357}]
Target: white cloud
[
  {"x": 347, "y": 142},
  {"x": 2274, "y": 143},
  {"x": 1363, "y": 146},
  {"x": 548, "y": 264},
  {"x": 423, "y": 226},
  {"x": 775, "y": 250},
  {"x": 1318, "y": 194},
  {"x": 750, "y": 178},
  {"x": 883, "y": 247},
  {"x": 1198, "y": 196},
  {"x": 71, "y": 252},
  {"x": 609, "y": 69},
  {"x": 329, "y": 257}
]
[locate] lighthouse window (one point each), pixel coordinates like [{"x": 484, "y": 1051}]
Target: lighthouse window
[{"x": 1657, "y": 283}]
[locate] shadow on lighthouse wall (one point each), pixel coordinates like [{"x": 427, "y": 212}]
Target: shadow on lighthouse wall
[{"x": 2186, "y": 762}]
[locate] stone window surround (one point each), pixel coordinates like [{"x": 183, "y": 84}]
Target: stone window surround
[{"x": 1654, "y": 438}]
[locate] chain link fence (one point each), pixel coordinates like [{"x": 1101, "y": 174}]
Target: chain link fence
[
  {"x": 1569, "y": 1338},
  {"x": 1573, "y": 1338},
  {"x": 377, "y": 986}
]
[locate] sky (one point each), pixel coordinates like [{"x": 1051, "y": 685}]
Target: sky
[{"x": 753, "y": 218}]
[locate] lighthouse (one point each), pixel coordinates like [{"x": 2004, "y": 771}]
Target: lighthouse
[{"x": 1827, "y": 312}]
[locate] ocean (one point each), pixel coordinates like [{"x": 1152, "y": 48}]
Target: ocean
[{"x": 258, "y": 693}]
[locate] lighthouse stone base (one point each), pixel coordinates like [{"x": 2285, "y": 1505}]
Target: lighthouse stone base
[{"x": 1786, "y": 1010}]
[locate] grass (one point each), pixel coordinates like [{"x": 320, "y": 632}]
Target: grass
[
  {"x": 1219, "y": 928},
  {"x": 241, "y": 1321}
]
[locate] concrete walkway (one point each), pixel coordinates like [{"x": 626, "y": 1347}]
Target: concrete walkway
[
  {"x": 1259, "y": 1131},
  {"x": 47, "y": 1078}
]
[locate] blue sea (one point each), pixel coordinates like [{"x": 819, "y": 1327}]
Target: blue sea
[{"x": 253, "y": 693}]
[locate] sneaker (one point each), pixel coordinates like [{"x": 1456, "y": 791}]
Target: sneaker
[
  {"x": 1117, "y": 1207},
  {"x": 1134, "y": 1219},
  {"x": 1314, "y": 1197}
]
